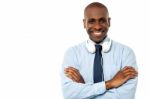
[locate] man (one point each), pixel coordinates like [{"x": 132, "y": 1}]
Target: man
[{"x": 99, "y": 68}]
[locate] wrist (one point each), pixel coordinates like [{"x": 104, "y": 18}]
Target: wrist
[{"x": 109, "y": 84}]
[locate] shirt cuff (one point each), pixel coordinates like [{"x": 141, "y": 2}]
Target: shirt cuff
[{"x": 100, "y": 88}]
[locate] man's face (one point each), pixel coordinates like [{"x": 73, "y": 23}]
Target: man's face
[{"x": 96, "y": 23}]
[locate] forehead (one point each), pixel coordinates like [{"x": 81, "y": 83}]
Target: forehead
[{"x": 95, "y": 12}]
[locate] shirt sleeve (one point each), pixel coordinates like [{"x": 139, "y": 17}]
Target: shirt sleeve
[
  {"x": 127, "y": 90},
  {"x": 73, "y": 90}
]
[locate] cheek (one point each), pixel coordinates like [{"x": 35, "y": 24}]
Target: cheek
[
  {"x": 89, "y": 27},
  {"x": 107, "y": 24}
]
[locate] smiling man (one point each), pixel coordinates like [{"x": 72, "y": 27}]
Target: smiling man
[
  {"x": 96, "y": 22},
  {"x": 99, "y": 68}
]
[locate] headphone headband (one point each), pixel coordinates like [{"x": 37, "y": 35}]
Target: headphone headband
[{"x": 106, "y": 45}]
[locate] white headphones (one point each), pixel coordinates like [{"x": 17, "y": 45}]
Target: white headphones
[{"x": 106, "y": 45}]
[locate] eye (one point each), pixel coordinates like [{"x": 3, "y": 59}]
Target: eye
[
  {"x": 102, "y": 20},
  {"x": 91, "y": 21}
]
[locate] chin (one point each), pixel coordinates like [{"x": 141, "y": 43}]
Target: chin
[{"x": 98, "y": 40}]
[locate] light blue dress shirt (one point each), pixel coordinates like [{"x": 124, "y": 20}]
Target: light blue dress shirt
[{"x": 80, "y": 58}]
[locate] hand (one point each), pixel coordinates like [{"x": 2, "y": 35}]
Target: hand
[
  {"x": 74, "y": 74},
  {"x": 121, "y": 77}
]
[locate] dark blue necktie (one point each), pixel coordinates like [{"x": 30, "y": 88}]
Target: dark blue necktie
[{"x": 98, "y": 70}]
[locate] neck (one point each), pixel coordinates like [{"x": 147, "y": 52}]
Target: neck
[{"x": 101, "y": 40}]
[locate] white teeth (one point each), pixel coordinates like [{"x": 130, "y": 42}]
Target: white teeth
[{"x": 97, "y": 33}]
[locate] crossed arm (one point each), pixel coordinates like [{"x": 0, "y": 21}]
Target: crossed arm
[
  {"x": 120, "y": 78},
  {"x": 121, "y": 86}
]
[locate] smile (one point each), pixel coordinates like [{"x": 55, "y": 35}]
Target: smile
[{"x": 97, "y": 33}]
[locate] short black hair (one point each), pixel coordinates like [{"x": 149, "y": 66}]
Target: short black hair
[{"x": 95, "y": 4}]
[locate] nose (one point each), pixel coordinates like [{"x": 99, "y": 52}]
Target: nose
[{"x": 97, "y": 26}]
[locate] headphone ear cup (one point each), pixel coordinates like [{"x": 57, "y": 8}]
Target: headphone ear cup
[
  {"x": 90, "y": 47},
  {"x": 106, "y": 46}
]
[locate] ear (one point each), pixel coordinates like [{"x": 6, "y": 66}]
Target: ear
[
  {"x": 84, "y": 23},
  {"x": 109, "y": 21}
]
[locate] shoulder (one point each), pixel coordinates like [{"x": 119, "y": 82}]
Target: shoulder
[
  {"x": 76, "y": 48},
  {"x": 122, "y": 47},
  {"x": 124, "y": 52}
]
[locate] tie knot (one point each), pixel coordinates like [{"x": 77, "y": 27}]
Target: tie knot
[{"x": 98, "y": 48}]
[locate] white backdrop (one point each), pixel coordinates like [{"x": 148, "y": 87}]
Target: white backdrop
[{"x": 34, "y": 34}]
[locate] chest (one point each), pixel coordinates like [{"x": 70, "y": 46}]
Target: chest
[{"x": 111, "y": 65}]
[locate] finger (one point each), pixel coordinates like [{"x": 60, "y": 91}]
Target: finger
[
  {"x": 69, "y": 76},
  {"x": 130, "y": 75},
  {"x": 72, "y": 76},
  {"x": 125, "y": 67},
  {"x": 74, "y": 71},
  {"x": 129, "y": 69},
  {"x": 72, "y": 68},
  {"x": 78, "y": 78},
  {"x": 71, "y": 73}
]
